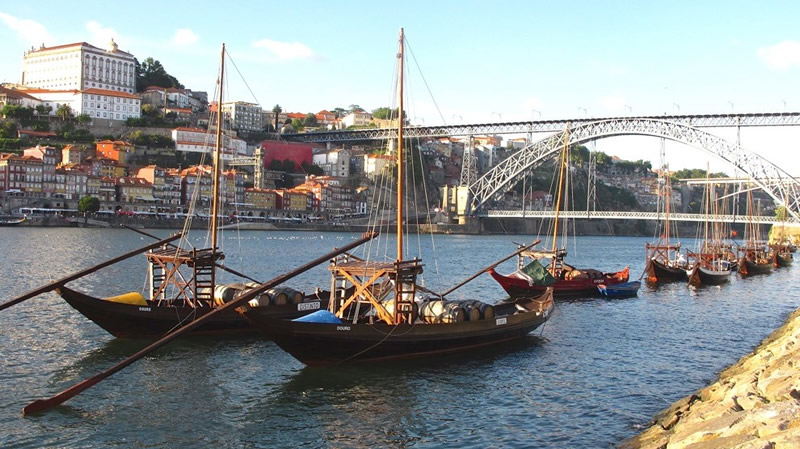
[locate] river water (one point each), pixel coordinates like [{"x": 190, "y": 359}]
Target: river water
[{"x": 592, "y": 376}]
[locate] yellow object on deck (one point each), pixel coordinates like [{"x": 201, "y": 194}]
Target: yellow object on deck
[{"x": 132, "y": 298}]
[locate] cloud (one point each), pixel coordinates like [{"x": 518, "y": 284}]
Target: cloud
[
  {"x": 286, "y": 51},
  {"x": 613, "y": 103},
  {"x": 29, "y": 30},
  {"x": 781, "y": 56},
  {"x": 101, "y": 35},
  {"x": 185, "y": 36}
]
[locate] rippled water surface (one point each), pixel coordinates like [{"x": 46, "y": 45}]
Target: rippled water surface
[{"x": 591, "y": 377}]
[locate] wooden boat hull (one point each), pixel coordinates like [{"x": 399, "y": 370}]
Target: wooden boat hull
[
  {"x": 783, "y": 260},
  {"x": 748, "y": 267},
  {"x": 625, "y": 290},
  {"x": 562, "y": 288},
  {"x": 707, "y": 276},
  {"x": 330, "y": 344},
  {"x": 134, "y": 321},
  {"x": 11, "y": 221},
  {"x": 658, "y": 271}
]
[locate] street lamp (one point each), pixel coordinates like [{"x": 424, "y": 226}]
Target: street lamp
[
  {"x": 630, "y": 111},
  {"x": 499, "y": 116},
  {"x": 585, "y": 112},
  {"x": 540, "y": 112},
  {"x": 460, "y": 119},
  {"x": 731, "y": 103}
]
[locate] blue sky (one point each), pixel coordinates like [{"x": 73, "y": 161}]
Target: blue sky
[{"x": 511, "y": 61}]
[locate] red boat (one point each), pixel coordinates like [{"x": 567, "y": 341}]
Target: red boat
[
  {"x": 570, "y": 282},
  {"x": 566, "y": 280}
]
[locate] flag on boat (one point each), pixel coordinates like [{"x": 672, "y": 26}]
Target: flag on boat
[{"x": 537, "y": 274}]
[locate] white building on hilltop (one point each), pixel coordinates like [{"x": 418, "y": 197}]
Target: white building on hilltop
[
  {"x": 243, "y": 116},
  {"x": 334, "y": 163},
  {"x": 79, "y": 66},
  {"x": 197, "y": 140}
]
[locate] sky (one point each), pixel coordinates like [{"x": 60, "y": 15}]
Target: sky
[{"x": 478, "y": 62}]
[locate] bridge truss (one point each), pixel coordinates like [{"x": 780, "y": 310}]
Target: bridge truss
[
  {"x": 544, "y": 126},
  {"x": 608, "y": 215},
  {"x": 781, "y": 186}
]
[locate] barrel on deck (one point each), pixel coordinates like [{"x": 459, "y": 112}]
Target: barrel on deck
[
  {"x": 437, "y": 311},
  {"x": 226, "y": 292},
  {"x": 476, "y": 310}
]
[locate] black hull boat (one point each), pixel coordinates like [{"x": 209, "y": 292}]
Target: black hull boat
[
  {"x": 749, "y": 268},
  {"x": 658, "y": 271},
  {"x": 707, "y": 276},
  {"x": 783, "y": 260},
  {"x": 333, "y": 343},
  {"x": 148, "y": 319}
]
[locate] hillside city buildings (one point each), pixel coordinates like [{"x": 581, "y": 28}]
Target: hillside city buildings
[{"x": 101, "y": 83}]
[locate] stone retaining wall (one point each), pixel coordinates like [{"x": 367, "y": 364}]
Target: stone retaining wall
[{"x": 754, "y": 404}]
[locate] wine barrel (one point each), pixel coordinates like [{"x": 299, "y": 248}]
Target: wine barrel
[
  {"x": 434, "y": 312},
  {"x": 224, "y": 293},
  {"x": 279, "y": 296},
  {"x": 295, "y": 297},
  {"x": 487, "y": 311},
  {"x": 472, "y": 308}
]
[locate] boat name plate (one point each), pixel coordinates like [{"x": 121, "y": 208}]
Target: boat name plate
[
  {"x": 501, "y": 321},
  {"x": 342, "y": 328},
  {"x": 308, "y": 306},
  {"x": 144, "y": 309}
]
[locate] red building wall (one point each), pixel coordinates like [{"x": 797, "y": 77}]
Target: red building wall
[{"x": 297, "y": 152}]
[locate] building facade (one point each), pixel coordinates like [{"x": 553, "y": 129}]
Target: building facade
[
  {"x": 243, "y": 116},
  {"x": 79, "y": 66}
]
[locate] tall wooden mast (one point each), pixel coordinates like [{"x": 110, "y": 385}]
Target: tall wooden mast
[
  {"x": 558, "y": 197},
  {"x": 217, "y": 151},
  {"x": 400, "y": 152}
]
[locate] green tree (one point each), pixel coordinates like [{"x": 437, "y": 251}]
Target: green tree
[
  {"x": 288, "y": 166},
  {"x": 88, "y": 204},
  {"x": 64, "y": 112},
  {"x": 385, "y": 113},
  {"x": 83, "y": 119},
  {"x": 354, "y": 107},
  {"x": 312, "y": 169},
  {"x": 297, "y": 124},
  {"x": 780, "y": 213},
  {"x": 148, "y": 110},
  {"x": 44, "y": 109},
  {"x": 151, "y": 73},
  {"x": 276, "y": 113},
  {"x": 23, "y": 115},
  {"x": 310, "y": 120},
  {"x": 339, "y": 112},
  {"x": 381, "y": 113},
  {"x": 8, "y": 129}
]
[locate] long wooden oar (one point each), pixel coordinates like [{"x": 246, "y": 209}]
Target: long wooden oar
[
  {"x": 490, "y": 267},
  {"x": 56, "y": 284},
  {"x": 44, "y": 404},
  {"x": 216, "y": 264}
]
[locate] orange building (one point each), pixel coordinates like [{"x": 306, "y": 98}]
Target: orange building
[{"x": 115, "y": 149}]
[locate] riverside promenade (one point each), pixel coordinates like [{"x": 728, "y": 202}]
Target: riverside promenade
[{"x": 754, "y": 404}]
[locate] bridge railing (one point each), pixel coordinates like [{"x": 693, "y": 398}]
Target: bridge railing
[{"x": 631, "y": 215}]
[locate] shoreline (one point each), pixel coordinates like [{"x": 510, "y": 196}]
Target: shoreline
[
  {"x": 753, "y": 404},
  {"x": 488, "y": 227}
]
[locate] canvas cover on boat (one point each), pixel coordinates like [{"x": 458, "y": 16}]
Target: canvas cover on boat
[
  {"x": 320, "y": 316},
  {"x": 537, "y": 274}
]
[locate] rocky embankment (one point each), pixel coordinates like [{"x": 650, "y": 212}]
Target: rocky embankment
[{"x": 754, "y": 404}]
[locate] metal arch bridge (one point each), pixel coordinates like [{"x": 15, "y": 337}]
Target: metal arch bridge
[
  {"x": 769, "y": 177},
  {"x": 608, "y": 215},
  {"x": 544, "y": 126}
]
